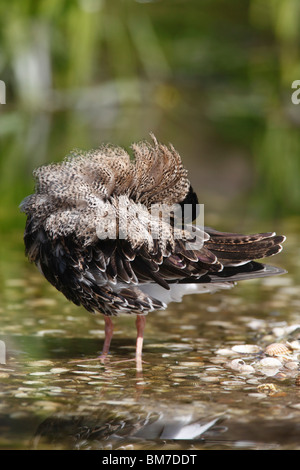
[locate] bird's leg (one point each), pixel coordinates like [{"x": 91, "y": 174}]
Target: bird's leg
[
  {"x": 109, "y": 329},
  {"x": 140, "y": 325}
]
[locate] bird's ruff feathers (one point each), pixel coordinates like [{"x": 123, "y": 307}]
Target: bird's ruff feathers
[{"x": 81, "y": 195}]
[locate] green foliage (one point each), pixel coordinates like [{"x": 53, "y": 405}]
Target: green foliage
[{"x": 82, "y": 72}]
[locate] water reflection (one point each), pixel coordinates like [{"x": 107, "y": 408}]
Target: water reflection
[
  {"x": 144, "y": 430},
  {"x": 112, "y": 426},
  {"x": 55, "y": 394}
]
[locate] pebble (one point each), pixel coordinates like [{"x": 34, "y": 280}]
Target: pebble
[
  {"x": 257, "y": 324},
  {"x": 246, "y": 348},
  {"x": 284, "y": 330},
  {"x": 236, "y": 364},
  {"x": 91, "y": 366},
  {"x": 225, "y": 352},
  {"x": 292, "y": 365},
  {"x": 54, "y": 390},
  {"x": 294, "y": 345},
  {"x": 189, "y": 364},
  {"x": 42, "y": 302},
  {"x": 32, "y": 382},
  {"x": 43, "y": 362},
  {"x": 96, "y": 332},
  {"x": 19, "y": 415},
  {"x": 257, "y": 395},
  {"x": 270, "y": 362},
  {"x": 296, "y": 406},
  {"x": 40, "y": 373},
  {"x": 253, "y": 382},
  {"x": 247, "y": 369},
  {"x": 50, "y": 332},
  {"x": 47, "y": 405},
  {"x": 178, "y": 347},
  {"x": 58, "y": 370},
  {"x": 20, "y": 395},
  {"x": 86, "y": 372},
  {"x": 278, "y": 331},
  {"x": 218, "y": 360},
  {"x": 211, "y": 379},
  {"x": 4, "y": 375},
  {"x": 232, "y": 383}
]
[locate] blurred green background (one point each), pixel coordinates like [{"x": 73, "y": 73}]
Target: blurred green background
[{"x": 213, "y": 77}]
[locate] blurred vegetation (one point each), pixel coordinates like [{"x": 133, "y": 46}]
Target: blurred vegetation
[{"x": 213, "y": 77}]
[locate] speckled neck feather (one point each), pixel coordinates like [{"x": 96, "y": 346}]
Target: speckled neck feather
[{"x": 79, "y": 195}]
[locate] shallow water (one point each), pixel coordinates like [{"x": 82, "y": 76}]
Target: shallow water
[{"x": 191, "y": 394}]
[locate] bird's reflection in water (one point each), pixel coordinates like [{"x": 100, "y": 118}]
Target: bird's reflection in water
[{"x": 109, "y": 428}]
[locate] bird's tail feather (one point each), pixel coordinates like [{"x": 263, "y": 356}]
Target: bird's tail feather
[{"x": 236, "y": 249}]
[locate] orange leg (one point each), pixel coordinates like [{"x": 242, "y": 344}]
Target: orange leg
[
  {"x": 140, "y": 325},
  {"x": 109, "y": 329}
]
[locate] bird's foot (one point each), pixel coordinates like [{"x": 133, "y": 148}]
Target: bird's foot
[
  {"x": 102, "y": 358},
  {"x": 139, "y": 362}
]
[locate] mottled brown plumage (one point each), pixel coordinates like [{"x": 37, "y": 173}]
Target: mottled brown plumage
[{"x": 75, "y": 234}]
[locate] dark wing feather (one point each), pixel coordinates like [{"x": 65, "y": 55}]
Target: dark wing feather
[{"x": 231, "y": 248}]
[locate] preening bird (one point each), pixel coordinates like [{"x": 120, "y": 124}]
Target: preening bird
[{"x": 96, "y": 229}]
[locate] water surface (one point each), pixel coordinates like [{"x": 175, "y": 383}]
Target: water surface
[{"x": 56, "y": 395}]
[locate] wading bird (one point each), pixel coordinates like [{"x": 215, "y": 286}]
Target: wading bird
[{"x": 91, "y": 232}]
